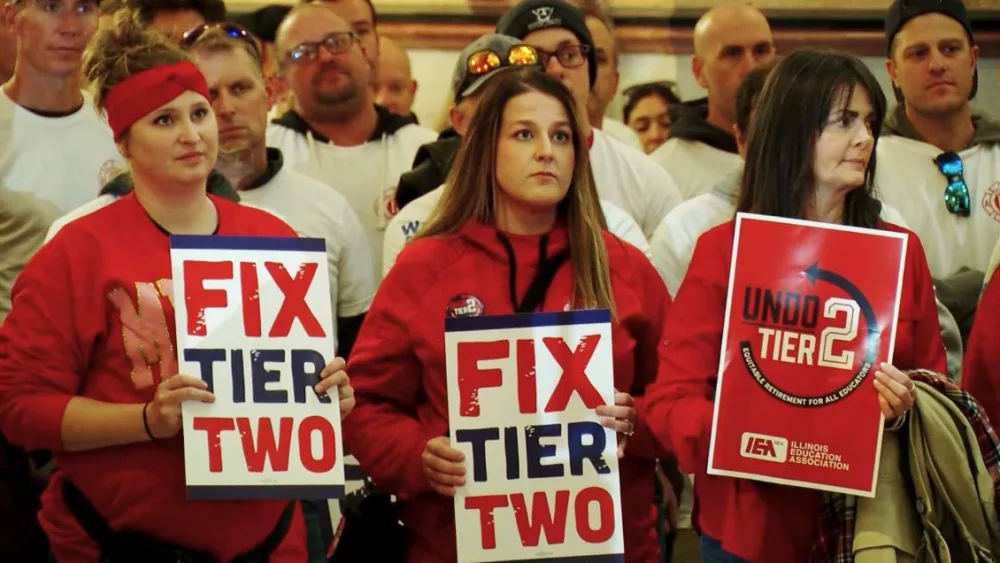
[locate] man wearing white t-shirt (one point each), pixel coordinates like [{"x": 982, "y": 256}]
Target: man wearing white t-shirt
[
  {"x": 623, "y": 175},
  {"x": 335, "y": 132},
  {"x": 602, "y": 31},
  {"x": 729, "y": 41},
  {"x": 938, "y": 161},
  {"x": 44, "y": 114}
]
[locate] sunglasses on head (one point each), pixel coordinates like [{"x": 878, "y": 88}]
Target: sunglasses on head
[
  {"x": 956, "y": 194},
  {"x": 232, "y": 30},
  {"x": 482, "y": 62}
]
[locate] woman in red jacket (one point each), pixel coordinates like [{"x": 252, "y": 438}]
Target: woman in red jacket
[
  {"x": 88, "y": 353},
  {"x": 520, "y": 205},
  {"x": 810, "y": 155}
]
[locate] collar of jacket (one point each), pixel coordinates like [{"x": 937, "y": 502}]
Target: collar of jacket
[
  {"x": 217, "y": 185},
  {"x": 387, "y": 124},
  {"x": 987, "y": 131},
  {"x": 525, "y": 247},
  {"x": 689, "y": 121}
]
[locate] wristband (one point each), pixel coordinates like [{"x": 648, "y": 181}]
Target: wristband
[{"x": 145, "y": 423}]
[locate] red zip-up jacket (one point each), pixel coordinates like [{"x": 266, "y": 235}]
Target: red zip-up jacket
[
  {"x": 981, "y": 369},
  {"x": 397, "y": 369},
  {"x": 759, "y": 522},
  {"x": 93, "y": 317}
]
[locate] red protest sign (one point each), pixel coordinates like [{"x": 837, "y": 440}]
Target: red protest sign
[{"x": 811, "y": 313}]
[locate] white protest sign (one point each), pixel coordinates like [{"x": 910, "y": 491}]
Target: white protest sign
[{"x": 542, "y": 473}]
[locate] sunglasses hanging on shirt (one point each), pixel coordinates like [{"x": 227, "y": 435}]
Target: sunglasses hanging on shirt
[
  {"x": 484, "y": 61},
  {"x": 956, "y": 194}
]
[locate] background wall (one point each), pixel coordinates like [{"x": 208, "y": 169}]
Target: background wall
[{"x": 433, "y": 69}]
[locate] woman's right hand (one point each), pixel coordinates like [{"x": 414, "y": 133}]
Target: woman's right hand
[
  {"x": 163, "y": 414},
  {"x": 443, "y": 465}
]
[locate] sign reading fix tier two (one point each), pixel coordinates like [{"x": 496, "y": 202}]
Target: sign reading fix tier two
[
  {"x": 542, "y": 473},
  {"x": 253, "y": 321},
  {"x": 811, "y": 313}
]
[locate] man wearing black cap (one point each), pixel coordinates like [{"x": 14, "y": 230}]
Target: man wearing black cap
[
  {"x": 624, "y": 176},
  {"x": 938, "y": 161}
]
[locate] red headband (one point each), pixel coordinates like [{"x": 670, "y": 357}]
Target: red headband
[{"x": 141, "y": 93}]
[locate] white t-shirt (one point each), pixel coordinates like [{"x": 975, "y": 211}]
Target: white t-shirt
[
  {"x": 316, "y": 211},
  {"x": 622, "y": 132},
  {"x": 63, "y": 160},
  {"x": 908, "y": 179},
  {"x": 405, "y": 224},
  {"x": 366, "y": 175},
  {"x": 631, "y": 180},
  {"x": 694, "y": 165}
]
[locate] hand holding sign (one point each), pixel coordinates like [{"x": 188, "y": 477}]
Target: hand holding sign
[
  {"x": 895, "y": 391},
  {"x": 163, "y": 414},
  {"x": 620, "y": 418},
  {"x": 444, "y": 466},
  {"x": 333, "y": 375}
]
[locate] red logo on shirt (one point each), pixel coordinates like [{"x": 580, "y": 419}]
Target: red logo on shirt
[
  {"x": 389, "y": 209},
  {"x": 991, "y": 201},
  {"x": 145, "y": 331},
  {"x": 465, "y": 306}
]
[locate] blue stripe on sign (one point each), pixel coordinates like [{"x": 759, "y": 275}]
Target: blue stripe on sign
[
  {"x": 277, "y": 492},
  {"x": 217, "y": 242},
  {"x": 522, "y": 320},
  {"x": 618, "y": 558}
]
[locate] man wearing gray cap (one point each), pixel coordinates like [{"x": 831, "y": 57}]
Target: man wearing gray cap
[{"x": 479, "y": 61}]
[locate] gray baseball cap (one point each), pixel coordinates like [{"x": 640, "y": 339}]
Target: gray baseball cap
[{"x": 465, "y": 83}]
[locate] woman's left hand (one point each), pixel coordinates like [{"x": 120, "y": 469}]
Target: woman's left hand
[
  {"x": 333, "y": 375},
  {"x": 896, "y": 392},
  {"x": 620, "y": 418}
]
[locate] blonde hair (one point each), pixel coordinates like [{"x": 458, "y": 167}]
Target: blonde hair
[{"x": 470, "y": 195}]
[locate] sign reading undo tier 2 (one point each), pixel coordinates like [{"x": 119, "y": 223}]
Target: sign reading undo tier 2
[
  {"x": 542, "y": 473},
  {"x": 811, "y": 314},
  {"x": 253, "y": 321}
]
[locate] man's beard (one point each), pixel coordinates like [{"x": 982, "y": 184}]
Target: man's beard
[{"x": 338, "y": 105}]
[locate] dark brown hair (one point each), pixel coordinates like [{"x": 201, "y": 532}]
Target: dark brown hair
[{"x": 792, "y": 110}]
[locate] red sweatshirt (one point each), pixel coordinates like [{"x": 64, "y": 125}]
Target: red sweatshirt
[
  {"x": 756, "y": 521},
  {"x": 397, "y": 369},
  {"x": 981, "y": 369},
  {"x": 92, "y": 317}
]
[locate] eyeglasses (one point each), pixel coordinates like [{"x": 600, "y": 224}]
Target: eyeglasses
[
  {"x": 570, "y": 56},
  {"x": 956, "y": 195},
  {"x": 484, "y": 61},
  {"x": 232, "y": 30},
  {"x": 335, "y": 44}
]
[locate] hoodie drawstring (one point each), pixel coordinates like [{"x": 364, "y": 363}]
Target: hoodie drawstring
[{"x": 534, "y": 297}]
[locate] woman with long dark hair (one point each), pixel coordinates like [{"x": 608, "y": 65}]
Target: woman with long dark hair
[
  {"x": 810, "y": 155},
  {"x": 519, "y": 210}
]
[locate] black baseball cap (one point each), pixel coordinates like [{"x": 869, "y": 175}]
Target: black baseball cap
[
  {"x": 532, "y": 15},
  {"x": 902, "y": 11}
]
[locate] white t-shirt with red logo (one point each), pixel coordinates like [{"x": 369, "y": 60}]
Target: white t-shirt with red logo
[
  {"x": 63, "y": 160},
  {"x": 366, "y": 175},
  {"x": 907, "y": 179}
]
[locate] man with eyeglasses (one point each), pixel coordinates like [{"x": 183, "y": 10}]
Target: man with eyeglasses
[
  {"x": 623, "y": 175},
  {"x": 730, "y": 40},
  {"x": 481, "y": 60},
  {"x": 45, "y": 112},
  {"x": 335, "y": 132},
  {"x": 938, "y": 160}
]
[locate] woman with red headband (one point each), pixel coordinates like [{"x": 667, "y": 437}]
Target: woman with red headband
[{"x": 87, "y": 354}]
